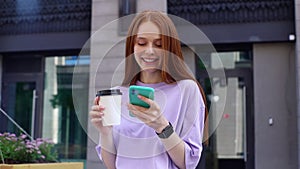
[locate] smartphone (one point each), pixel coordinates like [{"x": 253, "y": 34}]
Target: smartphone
[{"x": 134, "y": 91}]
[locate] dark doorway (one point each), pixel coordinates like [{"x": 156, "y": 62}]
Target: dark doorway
[{"x": 231, "y": 141}]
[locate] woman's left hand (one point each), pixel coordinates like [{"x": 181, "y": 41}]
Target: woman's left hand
[{"x": 151, "y": 116}]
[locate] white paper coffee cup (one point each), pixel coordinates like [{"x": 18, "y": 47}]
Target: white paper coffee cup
[{"x": 111, "y": 99}]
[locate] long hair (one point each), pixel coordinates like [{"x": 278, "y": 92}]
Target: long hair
[{"x": 173, "y": 66}]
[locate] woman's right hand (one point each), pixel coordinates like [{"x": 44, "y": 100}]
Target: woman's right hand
[{"x": 96, "y": 115}]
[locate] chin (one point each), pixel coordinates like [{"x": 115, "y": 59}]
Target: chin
[{"x": 150, "y": 70}]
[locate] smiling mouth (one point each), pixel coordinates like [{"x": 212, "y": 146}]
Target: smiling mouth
[{"x": 149, "y": 60}]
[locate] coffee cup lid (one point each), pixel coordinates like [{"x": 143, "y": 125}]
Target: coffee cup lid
[{"x": 109, "y": 92}]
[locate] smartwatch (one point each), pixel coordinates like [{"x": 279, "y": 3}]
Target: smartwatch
[{"x": 166, "y": 132}]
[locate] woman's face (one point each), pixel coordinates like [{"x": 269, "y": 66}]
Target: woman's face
[{"x": 147, "y": 47}]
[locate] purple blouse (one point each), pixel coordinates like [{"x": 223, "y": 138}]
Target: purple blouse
[{"x": 138, "y": 145}]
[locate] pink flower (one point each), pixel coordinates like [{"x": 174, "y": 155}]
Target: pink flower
[
  {"x": 24, "y": 150},
  {"x": 29, "y": 146},
  {"x": 23, "y": 136}
]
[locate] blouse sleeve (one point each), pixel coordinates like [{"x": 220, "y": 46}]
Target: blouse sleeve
[
  {"x": 193, "y": 123},
  {"x": 98, "y": 150}
]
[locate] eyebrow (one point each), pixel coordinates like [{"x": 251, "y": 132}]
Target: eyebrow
[{"x": 143, "y": 38}]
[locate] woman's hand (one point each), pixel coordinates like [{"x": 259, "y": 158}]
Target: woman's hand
[
  {"x": 151, "y": 116},
  {"x": 96, "y": 115}
]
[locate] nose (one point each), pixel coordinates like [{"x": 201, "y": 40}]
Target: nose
[{"x": 149, "y": 49}]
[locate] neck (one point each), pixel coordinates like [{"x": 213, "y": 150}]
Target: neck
[{"x": 151, "y": 77}]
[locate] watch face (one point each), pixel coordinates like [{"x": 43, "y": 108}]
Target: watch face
[{"x": 166, "y": 131}]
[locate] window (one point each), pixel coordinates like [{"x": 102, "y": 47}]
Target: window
[
  {"x": 61, "y": 121},
  {"x": 126, "y": 8}
]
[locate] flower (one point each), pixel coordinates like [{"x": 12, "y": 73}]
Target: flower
[{"x": 20, "y": 149}]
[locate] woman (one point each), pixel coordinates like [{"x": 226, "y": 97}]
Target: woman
[{"x": 169, "y": 133}]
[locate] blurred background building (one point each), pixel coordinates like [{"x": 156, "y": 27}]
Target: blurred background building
[{"x": 41, "y": 44}]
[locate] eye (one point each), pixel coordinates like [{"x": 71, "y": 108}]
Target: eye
[
  {"x": 158, "y": 43},
  {"x": 141, "y": 42}
]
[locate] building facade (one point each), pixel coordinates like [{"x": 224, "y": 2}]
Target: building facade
[
  {"x": 55, "y": 55},
  {"x": 40, "y": 42}
]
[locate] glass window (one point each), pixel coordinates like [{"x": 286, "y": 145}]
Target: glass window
[
  {"x": 19, "y": 106},
  {"x": 60, "y": 121},
  {"x": 226, "y": 60},
  {"x": 230, "y": 135}
]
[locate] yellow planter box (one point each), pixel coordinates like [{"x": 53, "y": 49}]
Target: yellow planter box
[{"x": 64, "y": 165}]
